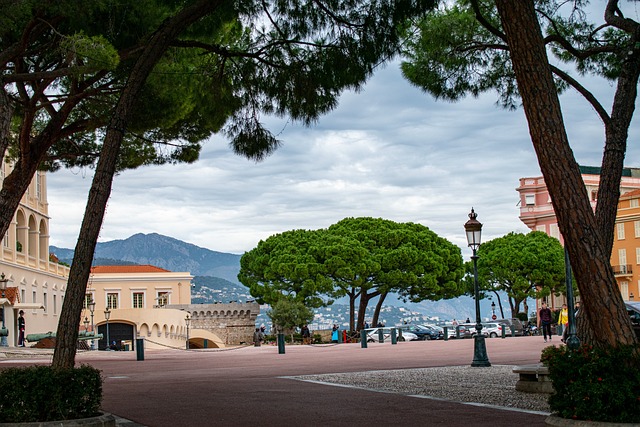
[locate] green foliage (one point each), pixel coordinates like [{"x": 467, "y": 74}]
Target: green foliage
[
  {"x": 355, "y": 257},
  {"x": 41, "y": 393},
  {"x": 287, "y": 314},
  {"x": 596, "y": 384},
  {"x": 451, "y": 54},
  {"x": 522, "y": 265}
]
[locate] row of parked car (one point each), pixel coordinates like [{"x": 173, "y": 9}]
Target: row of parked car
[
  {"x": 491, "y": 329},
  {"x": 432, "y": 332}
]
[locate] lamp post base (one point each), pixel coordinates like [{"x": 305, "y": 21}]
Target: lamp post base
[
  {"x": 480, "y": 358},
  {"x": 4, "y": 342}
]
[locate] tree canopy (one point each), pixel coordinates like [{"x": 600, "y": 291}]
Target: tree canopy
[
  {"x": 500, "y": 45},
  {"x": 521, "y": 265},
  {"x": 361, "y": 258}
]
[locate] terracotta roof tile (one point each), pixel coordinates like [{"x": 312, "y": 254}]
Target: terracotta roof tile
[
  {"x": 632, "y": 193},
  {"x": 127, "y": 269}
]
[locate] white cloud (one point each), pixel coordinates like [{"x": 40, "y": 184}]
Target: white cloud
[{"x": 390, "y": 151}]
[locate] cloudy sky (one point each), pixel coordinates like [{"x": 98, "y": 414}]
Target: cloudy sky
[{"x": 389, "y": 151}]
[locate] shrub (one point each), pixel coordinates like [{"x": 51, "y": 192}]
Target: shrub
[
  {"x": 595, "y": 384},
  {"x": 41, "y": 393}
]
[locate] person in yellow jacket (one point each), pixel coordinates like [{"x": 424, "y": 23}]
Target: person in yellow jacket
[{"x": 563, "y": 322}]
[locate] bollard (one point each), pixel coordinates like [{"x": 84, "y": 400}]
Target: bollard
[
  {"x": 504, "y": 331},
  {"x": 363, "y": 338},
  {"x": 140, "y": 348},
  {"x": 458, "y": 332},
  {"x": 206, "y": 343},
  {"x": 280, "y": 343},
  {"x": 513, "y": 330},
  {"x": 340, "y": 337},
  {"x": 380, "y": 335},
  {"x": 400, "y": 338},
  {"x": 446, "y": 333},
  {"x": 394, "y": 340}
]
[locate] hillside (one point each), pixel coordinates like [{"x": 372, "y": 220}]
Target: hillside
[{"x": 216, "y": 276}]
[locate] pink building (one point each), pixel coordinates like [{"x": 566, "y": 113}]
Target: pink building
[{"x": 537, "y": 212}]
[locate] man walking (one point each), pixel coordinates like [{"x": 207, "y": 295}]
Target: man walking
[{"x": 544, "y": 319}]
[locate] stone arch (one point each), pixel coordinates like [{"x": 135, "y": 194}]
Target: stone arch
[
  {"x": 32, "y": 247},
  {"x": 21, "y": 231},
  {"x": 144, "y": 330},
  {"x": 43, "y": 243}
]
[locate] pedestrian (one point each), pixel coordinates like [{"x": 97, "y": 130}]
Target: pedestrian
[
  {"x": 334, "y": 333},
  {"x": 455, "y": 322},
  {"x": 306, "y": 335},
  {"x": 544, "y": 319},
  {"x": 21, "y": 327},
  {"x": 563, "y": 322},
  {"x": 468, "y": 320},
  {"x": 258, "y": 337},
  {"x": 576, "y": 308}
]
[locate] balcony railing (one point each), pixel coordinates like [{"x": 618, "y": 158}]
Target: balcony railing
[{"x": 622, "y": 270}]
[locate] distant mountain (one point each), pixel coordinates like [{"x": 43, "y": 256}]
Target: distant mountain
[
  {"x": 216, "y": 276},
  {"x": 164, "y": 252}
]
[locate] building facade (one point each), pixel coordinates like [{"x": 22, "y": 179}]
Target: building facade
[
  {"x": 35, "y": 282},
  {"x": 536, "y": 212},
  {"x": 625, "y": 256}
]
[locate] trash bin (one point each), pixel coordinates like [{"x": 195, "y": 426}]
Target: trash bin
[{"x": 140, "y": 348}]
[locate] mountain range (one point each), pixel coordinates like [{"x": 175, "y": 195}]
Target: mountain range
[{"x": 216, "y": 273}]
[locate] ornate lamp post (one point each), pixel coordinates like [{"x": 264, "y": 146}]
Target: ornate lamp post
[
  {"x": 493, "y": 310},
  {"x": 92, "y": 307},
  {"x": 107, "y": 314},
  {"x": 187, "y": 320},
  {"x": 473, "y": 228},
  {"x": 4, "y": 332},
  {"x": 86, "y": 325}
]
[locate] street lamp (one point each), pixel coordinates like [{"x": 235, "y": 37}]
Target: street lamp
[
  {"x": 473, "y": 228},
  {"x": 493, "y": 310},
  {"x": 107, "y": 314},
  {"x": 86, "y": 325},
  {"x": 4, "y": 332},
  {"x": 92, "y": 307},
  {"x": 187, "y": 320}
]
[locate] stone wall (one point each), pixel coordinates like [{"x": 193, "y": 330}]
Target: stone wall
[{"x": 234, "y": 323}]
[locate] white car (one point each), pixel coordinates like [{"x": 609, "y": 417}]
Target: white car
[
  {"x": 491, "y": 330},
  {"x": 373, "y": 335}
]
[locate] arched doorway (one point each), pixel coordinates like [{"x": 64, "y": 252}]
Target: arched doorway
[{"x": 118, "y": 332}]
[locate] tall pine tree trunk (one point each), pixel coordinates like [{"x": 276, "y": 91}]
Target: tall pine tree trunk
[
  {"x": 69, "y": 321},
  {"x": 376, "y": 312},
  {"x": 602, "y": 304}
]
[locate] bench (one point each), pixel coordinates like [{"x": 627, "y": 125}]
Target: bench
[{"x": 533, "y": 379}]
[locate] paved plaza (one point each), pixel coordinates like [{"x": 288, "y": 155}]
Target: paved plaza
[{"x": 257, "y": 386}]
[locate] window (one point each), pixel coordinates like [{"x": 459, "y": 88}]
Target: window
[
  {"x": 55, "y": 306},
  {"x": 530, "y": 199},
  {"x": 44, "y": 301},
  {"x": 637, "y": 255},
  {"x": 634, "y": 203},
  {"x": 624, "y": 290},
  {"x": 163, "y": 298},
  {"x": 622, "y": 257},
  {"x": 620, "y": 229},
  {"x": 554, "y": 231},
  {"x": 138, "y": 299},
  {"x": 636, "y": 228},
  {"x": 112, "y": 300},
  {"x": 87, "y": 299},
  {"x": 594, "y": 195},
  {"x": 5, "y": 241},
  {"x": 541, "y": 228},
  {"x": 38, "y": 185}
]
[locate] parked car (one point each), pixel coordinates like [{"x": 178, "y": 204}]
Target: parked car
[
  {"x": 423, "y": 332},
  {"x": 373, "y": 335},
  {"x": 633, "y": 308},
  {"x": 517, "y": 325},
  {"x": 465, "y": 332},
  {"x": 490, "y": 330}
]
